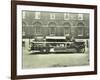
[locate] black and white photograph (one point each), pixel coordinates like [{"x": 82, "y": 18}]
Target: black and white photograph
[{"x": 53, "y": 39}]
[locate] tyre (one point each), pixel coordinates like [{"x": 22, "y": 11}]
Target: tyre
[{"x": 82, "y": 50}]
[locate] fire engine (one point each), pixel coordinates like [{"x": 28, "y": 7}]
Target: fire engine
[{"x": 56, "y": 44}]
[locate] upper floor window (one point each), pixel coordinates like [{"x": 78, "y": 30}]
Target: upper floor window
[
  {"x": 80, "y": 16},
  {"x": 37, "y": 15},
  {"x": 66, "y": 16},
  {"x": 52, "y": 15},
  {"x": 23, "y": 14}
]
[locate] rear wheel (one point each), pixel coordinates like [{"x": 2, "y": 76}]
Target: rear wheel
[
  {"x": 47, "y": 50},
  {"x": 43, "y": 50},
  {"x": 82, "y": 50}
]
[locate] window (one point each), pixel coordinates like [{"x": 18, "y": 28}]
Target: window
[
  {"x": 23, "y": 33},
  {"x": 23, "y": 15},
  {"x": 37, "y": 15},
  {"x": 80, "y": 29},
  {"x": 67, "y": 28},
  {"x": 38, "y": 28},
  {"x": 81, "y": 24},
  {"x": 52, "y": 28},
  {"x": 80, "y": 16},
  {"x": 52, "y": 15},
  {"x": 66, "y": 16}
]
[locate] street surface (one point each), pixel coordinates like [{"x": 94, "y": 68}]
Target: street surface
[{"x": 53, "y": 59}]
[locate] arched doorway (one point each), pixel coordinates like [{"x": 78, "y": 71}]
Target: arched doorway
[
  {"x": 52, "y": 28},
  {"x": 67, "y": 28},
  {"x": 80, "y": 29},
  {"x": 37, "y": 28}
]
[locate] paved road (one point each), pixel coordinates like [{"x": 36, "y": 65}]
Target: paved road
[{"x": 54, "y": 60}]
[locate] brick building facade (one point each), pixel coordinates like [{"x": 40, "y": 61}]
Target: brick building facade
[{"x": 55, "y": 24}]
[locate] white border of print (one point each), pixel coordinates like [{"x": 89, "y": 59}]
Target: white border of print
[{"x": 21, "y": 71}]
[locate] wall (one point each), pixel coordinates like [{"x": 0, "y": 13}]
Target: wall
[{"x": 5, "y": 38}]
